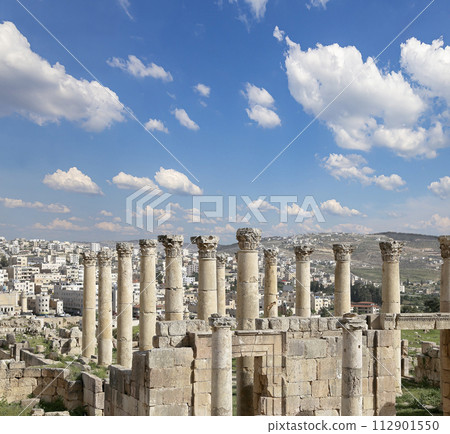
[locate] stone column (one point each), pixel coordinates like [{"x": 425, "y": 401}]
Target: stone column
[
  {"x": 207, "y": 275},
  {"x": 270, "y": 283},
  {"x": 88, "y": 321},
  {"x": 174, "y": 296},
  {"x": 104, "y": 332},
  {"x": 147, "y": 296},
  {"x": 390, "y": 297},
  {"x": 222, "y": 370},
  {"x": 405, "y": 357},
  {"x": 23, "y": 302},
  {"x": 342, "y": 282},
  {"x": 303, "y": 280},
  {"x": 124, "y": 305},
  {"x": 221, "y": 260},
  {"x": 247, "y": 310},
  {"x": 444, "y": 352},
  {"x": 351, "y": 385}
]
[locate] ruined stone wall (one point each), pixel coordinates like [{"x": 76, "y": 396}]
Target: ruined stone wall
[{"x": 428, "y": 367}]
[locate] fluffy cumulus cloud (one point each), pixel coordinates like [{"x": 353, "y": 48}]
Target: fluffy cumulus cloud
[
  {"x": 73, "y": 180},
  {"x": 260, "y": 107},
  {"x": 317, "y": 4},
  {"x": 203, "y": 90},
  {"x": 441, "y": 188},
  {"x": 115, "y": 227},
  {"x": 363, "y": 105},
  {"x": 184, "y": 119},
  {"x": 176, "y": 182},
  {"x": 136, "y": 68},
  {"x": 60, "y": 225},
  {"x": 156, "y": 125},
  {"x": 43, "y": 93},
  {"x": 278, "y": 34},
  {"x": 332, "y": 206},
  {"x": 353, "y": 167},
  {"x": 19, "y": 203},
  {"x": 129, "y": 182},
  {"x": 106, "y": 213}
]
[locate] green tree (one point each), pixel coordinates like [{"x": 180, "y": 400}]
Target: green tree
[
  {"x": 432, "y": 304},
  {"x": 3, "y": 261}
]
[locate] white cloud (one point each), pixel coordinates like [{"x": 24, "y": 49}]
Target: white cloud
[
  {"x": 184, "y": 119},
  {"x": 278, "y": 34},
  {"x": 135, "y": 67},
  {"x": 377, "y": 107},
  {"x": 352, "y": 166},
  {"x": 19, "y": 203},
  {"x": 176, "y": 182},
  {"x": 31, "y": 87},
  {"x": 106, "y": 213},
  {"x": 115, "y": 227},
  {"x": 260, "y": 103},
  {"x": 332, "y": 206},
  {"x": 441, "y": 188},
  {"x": 73, "y": 180},
  {"x": 125, "y": 5},
  {"x": 317, "y": 4},
  {"x": 203, "y": 90},
  {"x": 129, "y": 182},
  {"x": 262, "y": 205},
  {"x": 60, "y": 225},
  {"x": 350, "y": 228},
  {"x": 156, "y": 125},
  {"x": 435, "y": 222}
]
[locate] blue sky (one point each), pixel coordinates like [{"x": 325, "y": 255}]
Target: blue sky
[{"x": 224, "y": 86}]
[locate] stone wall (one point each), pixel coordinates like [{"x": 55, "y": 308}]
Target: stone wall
[
  {"x": 93, "y": 394},
  {"x": 428, "y": 367}
]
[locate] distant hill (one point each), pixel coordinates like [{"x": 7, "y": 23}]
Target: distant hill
[{"x": 400, "y": 236}]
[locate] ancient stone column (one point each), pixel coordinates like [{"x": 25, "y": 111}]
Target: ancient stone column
[
  {"x": 405, "y": 357},
  {"x": 89, "y": 304},
  {"x": 270, "y": 283},
  {"x": 390, "y": 297},
  {"x": 174, "y": 295},
  {"x": 23, "y": 302},
  {"x": 124, "y": 305},
  {"x": 444, "y": 352},
  {"x": 207, "y": 275},
  {"x": 342, "y": 282},
  {"x": 147, "y": 296},
  {"x": 247, "y": 310},
  {"x": 221, "y": 364},
  {"x": 104, "y": 331},
  {"x": 221, "y": 260},
  {"x": 351, "y": 385},
  {"x": 303, "y": 280}
]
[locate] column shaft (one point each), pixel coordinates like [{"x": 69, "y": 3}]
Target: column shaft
[
  {"x": 147, "y": 296},
  {"x": 303, "y": 280},
  {"x": 221, "y": 259},
  {"x": 342, "y": 281},
  {"x": 89, "y": 305},
  {"x": 124, "y": 305},
  {"x": 270, "y": 283},
  {"x": 104, "y": 336}
]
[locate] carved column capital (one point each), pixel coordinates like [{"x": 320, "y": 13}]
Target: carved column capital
[
  {"x": 89, "y": 258},
  {"x": 148, "y": 247},
  {"x": 124, "y": 250},
  {"x": 342, "y": 252},
  {"x": 444, "y": 242},
  {"x": 221, "y": 260},
  {"x": 248, "y": 238},
  {"x": 352, "y": 322},
  {"x": 271, "y": 255},
  {"x": 303, "y": 252},
  {"x": 207, "y": 245},
  {"x": 390, "y": 250},
  {"x": 217, "y": 321},
  {"x": 173, "y": 244},
  {"x": 104, "y": 258}
]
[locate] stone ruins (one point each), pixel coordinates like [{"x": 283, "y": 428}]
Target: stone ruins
[{"x": 345, "y": 365}]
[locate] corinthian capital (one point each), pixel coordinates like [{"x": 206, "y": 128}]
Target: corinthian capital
[
  {"x": 172, "y": 244},
  {"x": 248, "y": 238},
  {"x": 271, "y": 255},
  {"x": 89, "y": 258},
  {"x": 148, "y": 247},
  {"x": 221, "y": 260},
  {"x": 124, "y": 250},
  {"x": 303, "y": 252},
  {"x": 104, "y": 258},
  {"x": 342, "y": 252},
  {"x": 390, "y": 250},
  {"x": 444, "y": 242},
  {"x": 207, "y": 245}
]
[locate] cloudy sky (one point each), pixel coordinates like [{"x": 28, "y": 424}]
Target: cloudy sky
[{"x": 294, "y": 116}]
